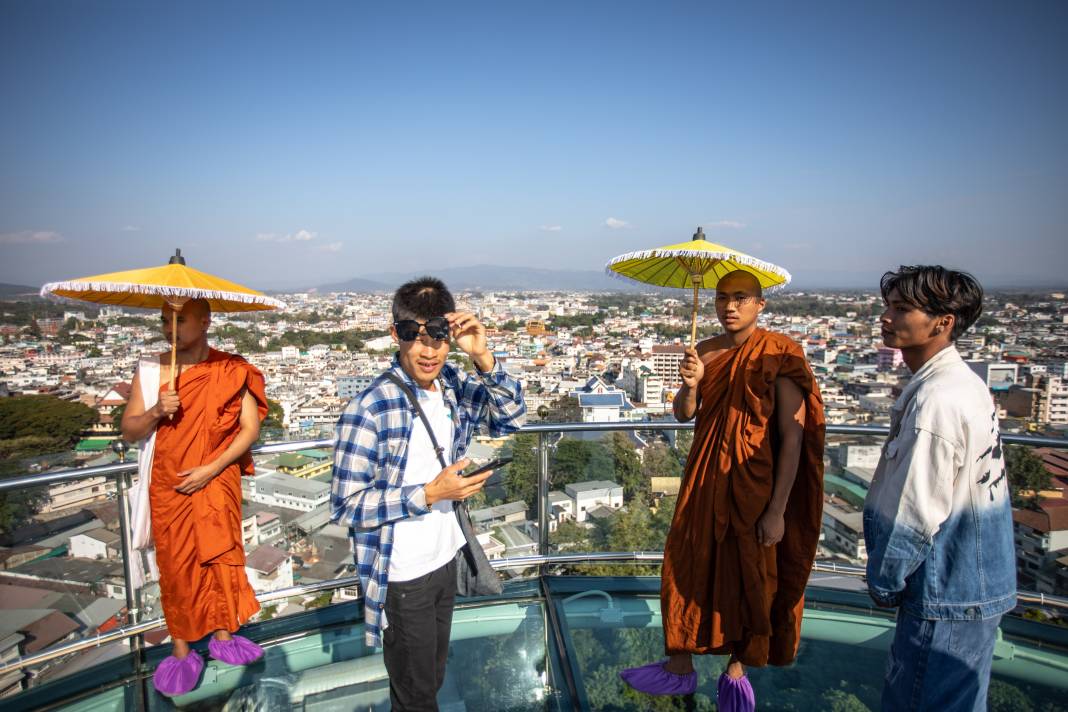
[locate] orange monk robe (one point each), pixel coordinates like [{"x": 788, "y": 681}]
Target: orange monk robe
[
  {"x": 203, "y": 586},
  {"x": 721, "y": 591}
]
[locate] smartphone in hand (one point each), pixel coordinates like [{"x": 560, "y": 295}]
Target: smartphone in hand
[{"x": 491, "y": 465}]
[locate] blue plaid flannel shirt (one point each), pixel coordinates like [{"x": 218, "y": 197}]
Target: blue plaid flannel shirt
[{"x": 372, "y": 449}]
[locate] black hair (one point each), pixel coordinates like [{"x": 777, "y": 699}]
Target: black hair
[
  {"x": 421, "y": 299},
  {"x": 935, "y": 290}
]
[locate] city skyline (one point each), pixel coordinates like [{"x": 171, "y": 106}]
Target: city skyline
[{"x": 289, "y": 149}]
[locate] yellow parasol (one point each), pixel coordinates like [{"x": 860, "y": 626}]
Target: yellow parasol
[
  {"x": 698, "y": 264},
  {"x": 173, "y": 283}
]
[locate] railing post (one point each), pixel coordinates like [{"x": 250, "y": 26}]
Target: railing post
[
  {"x": 543, "y": 494},
  {"x": 133, "y": 612}
]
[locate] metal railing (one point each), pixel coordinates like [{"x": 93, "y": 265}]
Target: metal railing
[{"x": 136, "y": 629}]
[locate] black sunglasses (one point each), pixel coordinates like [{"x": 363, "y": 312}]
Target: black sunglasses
[{"x": 437, "y": 328}]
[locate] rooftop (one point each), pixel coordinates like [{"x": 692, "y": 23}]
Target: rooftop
[{"x": 591, "y": 486}]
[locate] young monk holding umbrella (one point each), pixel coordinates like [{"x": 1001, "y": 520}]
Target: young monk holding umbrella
[
  {"x": 747, "y": 520},
  {"x": 197, "y": 411}
]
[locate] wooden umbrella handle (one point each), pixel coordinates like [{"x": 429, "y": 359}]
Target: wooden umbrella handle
[
  {"x": 174, "y": 344},
  {"x": 693, "y": 318}
]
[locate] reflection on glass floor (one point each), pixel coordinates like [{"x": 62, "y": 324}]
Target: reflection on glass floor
[
  {"x": 839, "y": 666},
  {"x": 519, "y": 652}
]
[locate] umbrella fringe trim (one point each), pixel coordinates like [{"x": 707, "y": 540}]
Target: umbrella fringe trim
[
  {"x": 190, "y": 292},
  {"x": 700, "y": 254}
]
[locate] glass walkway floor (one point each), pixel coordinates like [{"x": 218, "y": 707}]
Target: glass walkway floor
[{"x": 558, "y": 643}]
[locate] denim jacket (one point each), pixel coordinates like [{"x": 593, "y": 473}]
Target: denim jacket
[{"x": 937, "y": 519}]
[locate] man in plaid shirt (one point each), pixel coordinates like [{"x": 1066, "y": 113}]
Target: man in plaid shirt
[{"x": 389, "y": 488}]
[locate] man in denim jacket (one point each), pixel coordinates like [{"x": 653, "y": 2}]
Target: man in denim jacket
[{"x": 937, "y": 520}]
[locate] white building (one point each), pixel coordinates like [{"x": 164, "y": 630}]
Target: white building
[
  {"x": 95, "y": 544},
  {"x": 996, "y": 375},
  {"x": 76, "y": 494},
  {"x": 666, "y": 360},
  {"x": 590, "y": 495},
  {"x": 561, "y": 509},
  {"x": 278, "y": 490},
  {"x": 250, "y": 534},
  {"x": 268, "y": 527},
  {"x": 855, "y": 455},
  {"x": 1054, "y": 407},
  {"x": 269, "y": 569},
  {"x": 843, "y": 531}
]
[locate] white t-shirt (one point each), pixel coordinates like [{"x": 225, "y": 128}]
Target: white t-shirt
[{"x": 425, "y": 543}]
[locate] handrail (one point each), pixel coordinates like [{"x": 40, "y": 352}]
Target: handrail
[
  {"x": 138, "y": 628},
  {"x": 69, "y": 475},
  {"x": 516, "y": 562}
]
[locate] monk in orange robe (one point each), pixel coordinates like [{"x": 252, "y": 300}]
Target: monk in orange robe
[
  {"x": 748, "y": 516},
  {"x": 203, "y": 432}
]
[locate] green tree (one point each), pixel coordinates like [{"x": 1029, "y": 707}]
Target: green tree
[
  {"x": 48, "y": 416},
  {"x": 1028, "y": 476},
  {"x": 1004, "y": 697},
  {"x": 683, "y": 443},
  {"x": 628, "y": 467},
  {"x": 31, "y": 426},
  {"x": 659, "y": 460},
  {"x": 18, "y": 507},
  {"x": 564, "y": 409},
  {"x": 116, "y": 416},
  {"x": 570, "y": 536},
  {"x": 842, "y": 701},
  {"x": 580, "y": 461},
  {"x": 275, "y": 414},
  {"x": 521, "y": 475},
  {"x": 322, "y": 600}
]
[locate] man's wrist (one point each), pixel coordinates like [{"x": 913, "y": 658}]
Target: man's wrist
[
  {"x": 484, "y": 361},
  {"x": 428, "y": 495}
]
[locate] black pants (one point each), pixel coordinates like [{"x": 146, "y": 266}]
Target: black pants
[{"x": 416, "y": 641}]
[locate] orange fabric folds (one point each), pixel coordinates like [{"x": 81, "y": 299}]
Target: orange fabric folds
[
  {"x": 201, "y": 560},
  {"x": 722, "y": 592}
]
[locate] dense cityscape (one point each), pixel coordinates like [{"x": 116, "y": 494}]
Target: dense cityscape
[{"x": 65, "y": 373}]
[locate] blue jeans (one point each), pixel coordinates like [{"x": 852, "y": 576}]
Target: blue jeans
[{"x": 939, "y": 664}]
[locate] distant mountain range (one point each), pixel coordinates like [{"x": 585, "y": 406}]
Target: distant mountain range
[
  {"x": 17, "y": 290},
  {"x": 492, "y": 277}
]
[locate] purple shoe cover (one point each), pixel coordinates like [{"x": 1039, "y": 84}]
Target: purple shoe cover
[
  {"x": 236, "y": 651},
  {"x": 653, "y": 679},
  {"x": 175, "y": 677},
  {"x": 735, "y": 695}
]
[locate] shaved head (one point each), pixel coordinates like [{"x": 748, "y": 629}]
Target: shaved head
[
  {"x": 197, "y": 307},
  {"x": 739, "y": 279}
]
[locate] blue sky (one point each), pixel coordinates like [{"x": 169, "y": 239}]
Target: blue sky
[{"x": 302, "y": 143}]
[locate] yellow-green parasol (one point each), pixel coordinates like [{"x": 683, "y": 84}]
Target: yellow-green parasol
[
  {"x": 698, "y": 264},
  {"x": 173, "y": 283}
]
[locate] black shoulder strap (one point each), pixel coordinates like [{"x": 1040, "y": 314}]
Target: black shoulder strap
[{"x": 414, "y": 400}]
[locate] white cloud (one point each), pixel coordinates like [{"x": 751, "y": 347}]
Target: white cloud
[
  {"x": 551, "y": 228},
  {"x": 727, "y": 224},
  {"x": 29, "y": 237},
  {"x": 616, "y": 223},
  {"x": 131, "y": 228},
  {"x": 298, "y": 236},
  {"x": 331, "y": 247}
]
